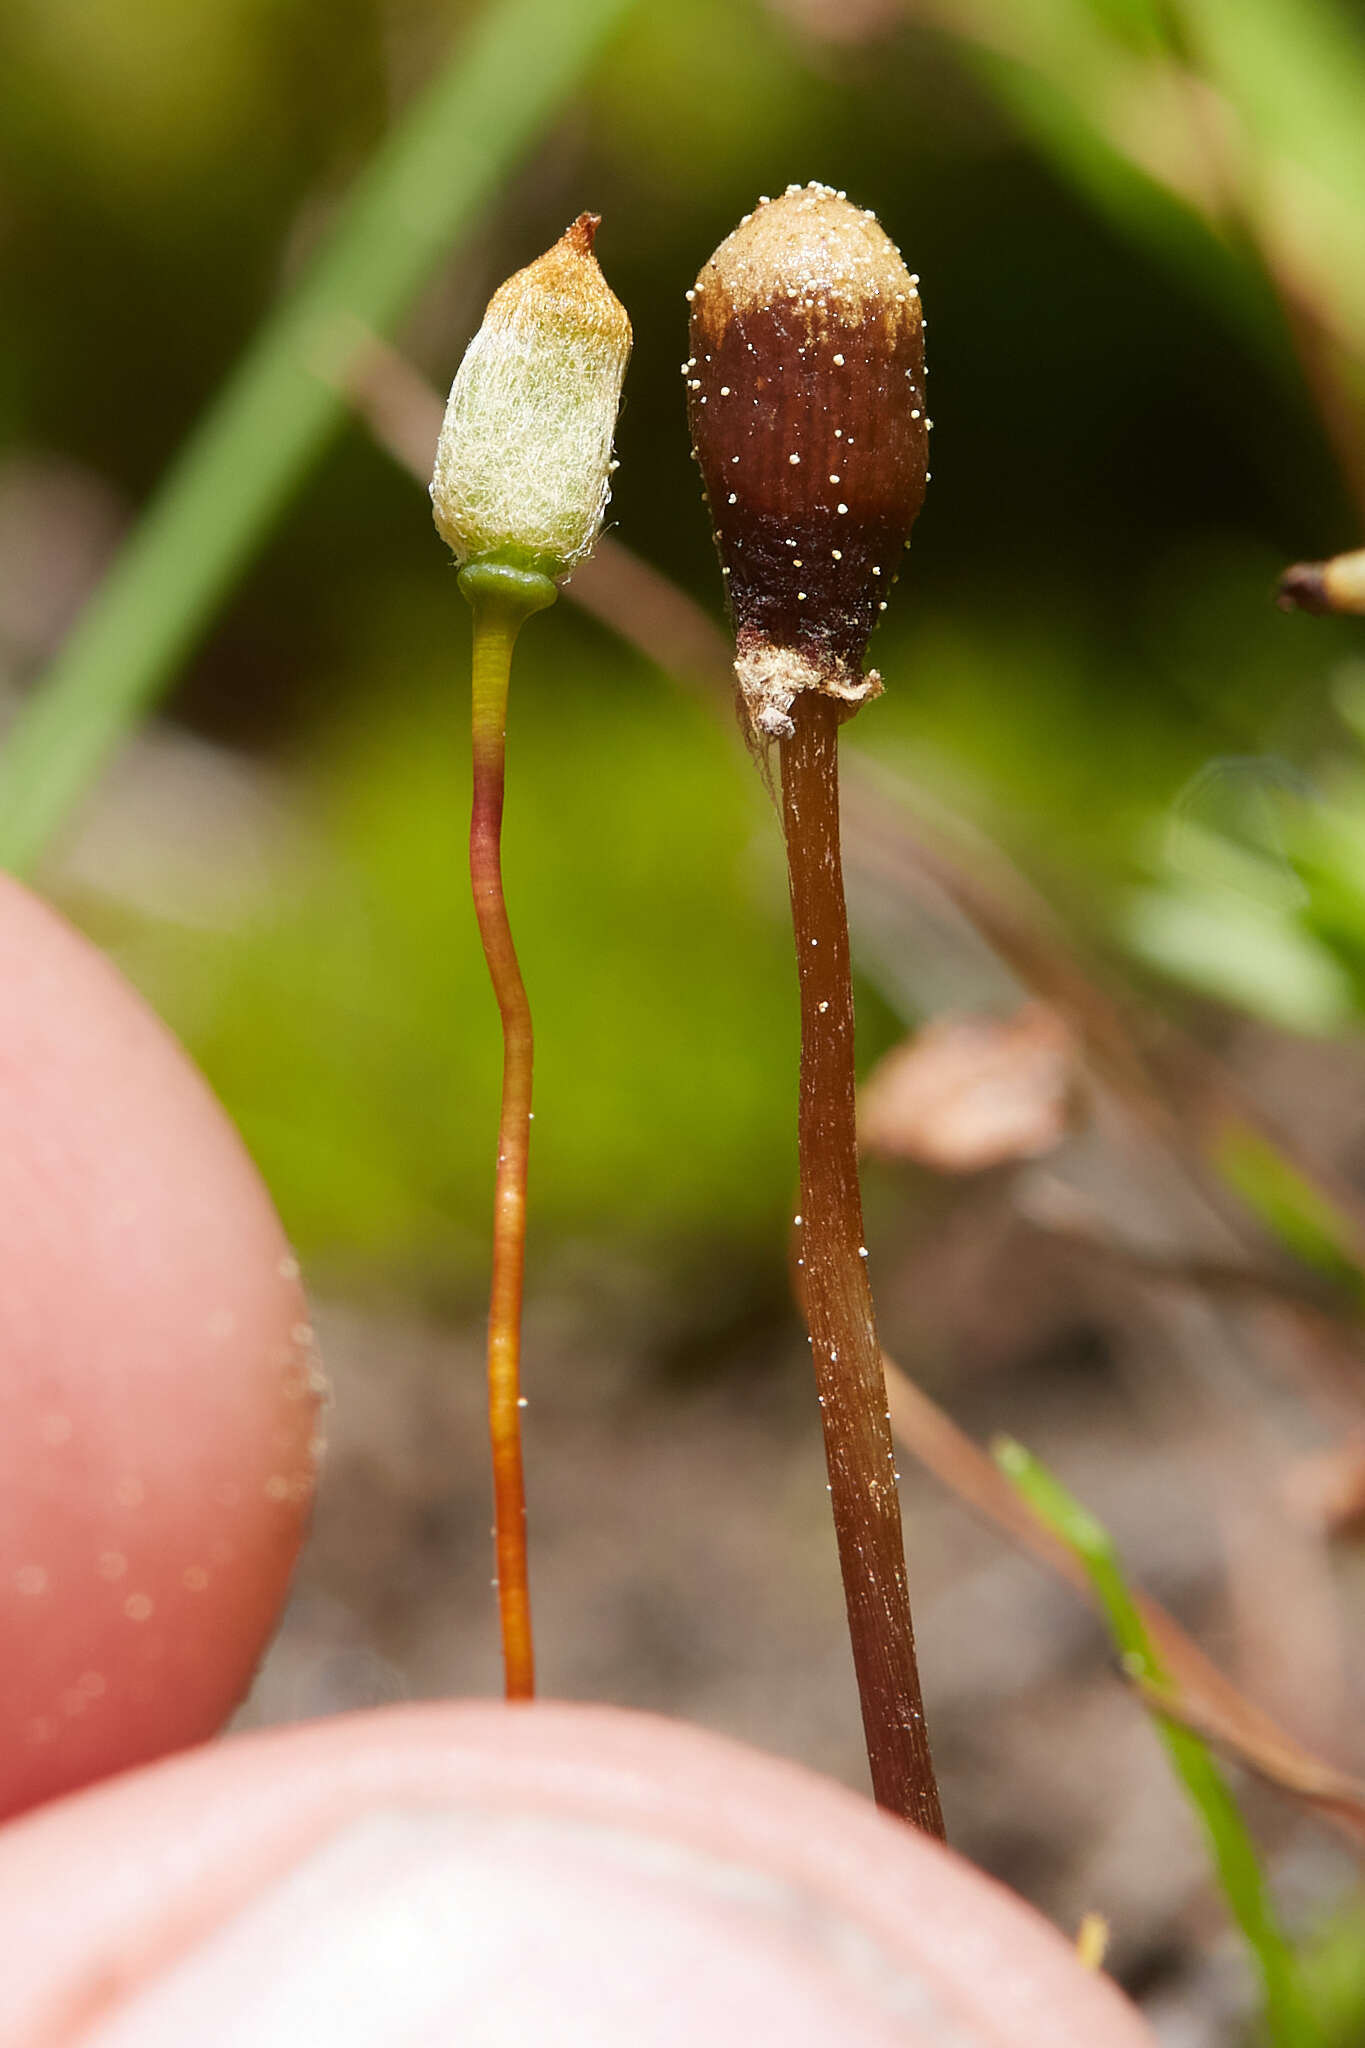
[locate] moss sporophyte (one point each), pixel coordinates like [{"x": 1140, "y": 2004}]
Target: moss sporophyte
[
  {"x": 1334, "y": 586},
  {"x": 521, "y": 484},
  {"x": 805, "y": 387},
  {"x": 524, "y": 459}
]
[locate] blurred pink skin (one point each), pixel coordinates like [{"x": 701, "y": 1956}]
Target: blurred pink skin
[
  {"x": 497, "y": 1876},
  {"x": 158, "y": 1402},
  {"x": 503, "y": 1876}
]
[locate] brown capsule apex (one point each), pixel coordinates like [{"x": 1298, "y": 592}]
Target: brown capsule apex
[
  {"x": 805, "y": 390},
  {"x": 1335, "y": 586}
]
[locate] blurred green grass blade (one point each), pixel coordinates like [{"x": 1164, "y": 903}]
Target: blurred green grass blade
[
  {"x": 1295, "y": 71},
  {"x": 1087, "y": 83},
  {"x": 516, "y": 65},
  {"x": 1062, "y": 124},
  {"x": 1289, "y": 2020},
  {"x": 1300, "y": 1214},
  {"x": 1142, "y": 24},
  {"x": 1334, "y": 1964}
]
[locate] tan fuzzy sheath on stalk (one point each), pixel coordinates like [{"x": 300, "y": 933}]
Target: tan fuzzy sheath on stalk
[
  {"x": 805, "y": 394},
  {"x": 524, "y": 459}
]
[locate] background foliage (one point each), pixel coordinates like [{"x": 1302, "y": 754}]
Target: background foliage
[
  {"x": 1141, "y": 230},
  {"x": 1125, "y": 455}
]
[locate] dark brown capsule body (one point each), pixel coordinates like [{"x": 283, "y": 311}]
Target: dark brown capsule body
[{"x": 806, "y": 401}]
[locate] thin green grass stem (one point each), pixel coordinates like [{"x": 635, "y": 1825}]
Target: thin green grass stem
[
  {"x": 443, "y": 162},
  {"x": 1289, "y": 2019}
]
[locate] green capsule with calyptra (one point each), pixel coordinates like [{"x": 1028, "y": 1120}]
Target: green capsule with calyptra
[
  {"x": 522, "y": 477},
  {"x": 523, "y": 464},
  {"x": 805, "y": 386}
]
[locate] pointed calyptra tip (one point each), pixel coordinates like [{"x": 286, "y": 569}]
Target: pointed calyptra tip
[
  {"x": 582, "y": 233},
  {"x": 1335, "y": 586},
  {"x": 524, "y": 458},
  {"x": 805, "y": 389}
]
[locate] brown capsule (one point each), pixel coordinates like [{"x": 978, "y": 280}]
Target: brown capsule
[{"x": 805, "y": 395}]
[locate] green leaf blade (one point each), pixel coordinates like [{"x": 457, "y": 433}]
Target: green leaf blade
[
  {"x": 275, "y": 414},
  {"x": 1289, "y": 2018}
]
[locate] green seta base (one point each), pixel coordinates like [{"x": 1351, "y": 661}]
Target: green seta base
[{"x": 501, "y": 587}]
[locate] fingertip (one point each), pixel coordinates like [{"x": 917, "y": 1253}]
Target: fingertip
[
  {"x": 158, "y": 1379},
  {"x": 474, "y": 1871}
]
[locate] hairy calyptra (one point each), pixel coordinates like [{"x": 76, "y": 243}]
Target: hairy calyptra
[
  {"x": 524, "y": 459},
  {"x": 805, "y": 387}
]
